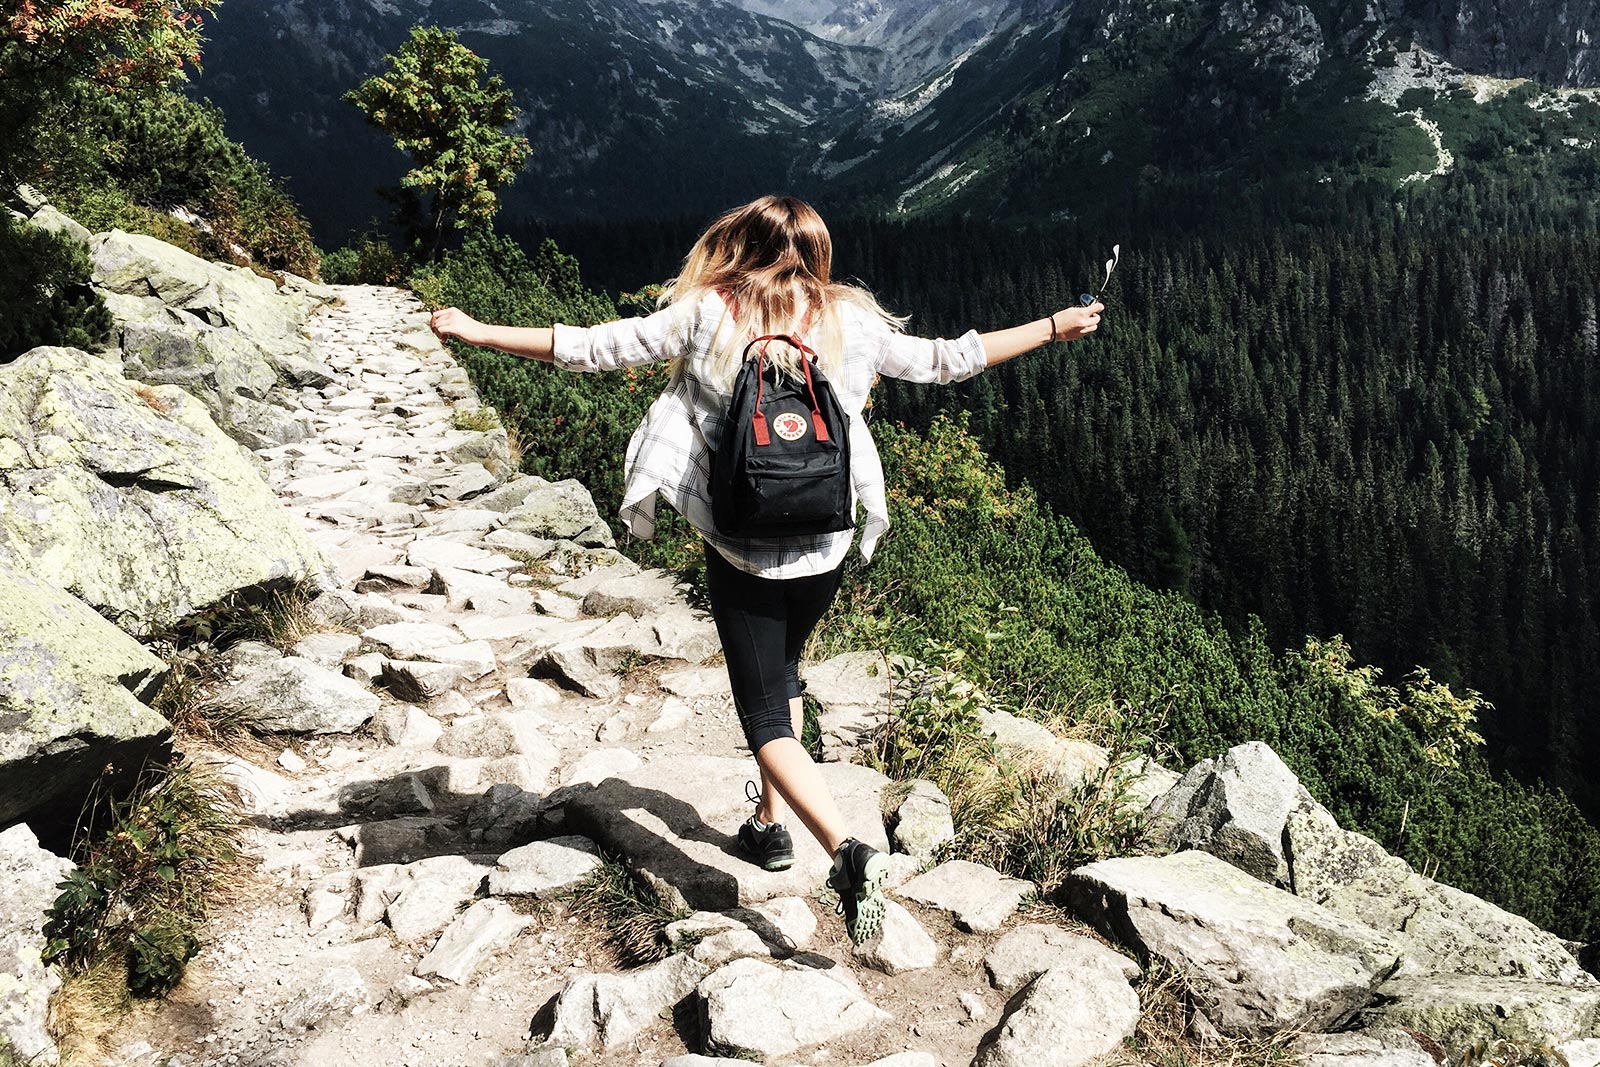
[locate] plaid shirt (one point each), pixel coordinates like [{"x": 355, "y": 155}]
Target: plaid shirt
[{"x": 670, "y": 453}]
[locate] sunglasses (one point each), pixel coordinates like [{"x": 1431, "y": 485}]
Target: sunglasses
[{"x": 1111, "y": 264}]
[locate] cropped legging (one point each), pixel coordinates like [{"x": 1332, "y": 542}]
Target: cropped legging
[{"x": 764, "y": 623}]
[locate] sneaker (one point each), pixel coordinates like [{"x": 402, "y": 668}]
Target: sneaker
[
  {"x": 770, "y": 846},
  {"x": 857, "y": 876}
]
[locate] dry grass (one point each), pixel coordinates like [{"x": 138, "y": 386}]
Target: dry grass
[
  {"x": 86, "y": 1012},
  {"x": 631, "y": 914},
  {"x": 1166, "y": 1038},
  {"x": 481, "y": 419},
  {"x": 156, "y": 401}
]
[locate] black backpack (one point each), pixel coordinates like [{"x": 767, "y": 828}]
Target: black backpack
[{"x": 782, "y": 467}]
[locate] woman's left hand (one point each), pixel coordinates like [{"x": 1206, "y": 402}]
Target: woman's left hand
[{"x": 453, "y": 322}]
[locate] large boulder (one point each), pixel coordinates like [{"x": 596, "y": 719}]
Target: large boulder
[
  {"x": 674, "y": 820},
  {"x": 563, "y": 511},
  {"x": 608, "y": 1009},
  {"x": 1257, "y": 960},
  {"x": 1437, "y": 927},
  {"x": 131, "y": 498},
  {"x": 73, "y": 689},
  {"x": 1233, "y": 807},
  {"x": 26, "y": 984}
]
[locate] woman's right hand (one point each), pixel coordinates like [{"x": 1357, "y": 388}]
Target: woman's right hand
[
  {"x": 453, "y": 322},
  {"x": 1077, "y": 322}
]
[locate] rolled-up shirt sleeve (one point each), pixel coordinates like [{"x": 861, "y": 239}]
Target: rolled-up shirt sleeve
[
  {"x": 622, "y": 343},
  {"x": 922, "y": 359}
]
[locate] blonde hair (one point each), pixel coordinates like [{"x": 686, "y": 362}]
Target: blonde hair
[{"x": 769, "y": 257}]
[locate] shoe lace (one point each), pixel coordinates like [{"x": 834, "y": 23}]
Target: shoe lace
[{"x": 751, "y": 792}]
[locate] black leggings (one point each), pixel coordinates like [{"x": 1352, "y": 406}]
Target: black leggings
[{"x": 764, "y": 623}]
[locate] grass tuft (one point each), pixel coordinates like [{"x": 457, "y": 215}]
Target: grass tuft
[
  {"x": 1165, "y": 1038},
  {"x": 482, "y": 419},
  {"x": 632, "y": 914},
  {"x": 149, "y": 868}
]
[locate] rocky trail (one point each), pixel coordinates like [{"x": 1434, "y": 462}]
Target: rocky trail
[
  {"x": 398, "y": 913},
  {"x": 484, "y": 707}
]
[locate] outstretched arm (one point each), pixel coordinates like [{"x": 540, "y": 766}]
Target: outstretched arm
[
  {"x": 529, "y": 342},
  {"x": 1068, "y": 325},
  {"x": 607, "y": 346}
]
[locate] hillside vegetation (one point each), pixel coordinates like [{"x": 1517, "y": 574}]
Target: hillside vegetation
[{"x": 991, "y": 569}]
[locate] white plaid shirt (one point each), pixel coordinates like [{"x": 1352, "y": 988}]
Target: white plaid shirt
[{"x": 670, "y": 453}]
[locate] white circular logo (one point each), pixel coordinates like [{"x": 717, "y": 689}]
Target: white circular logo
[{"x": 789, "y": 426}]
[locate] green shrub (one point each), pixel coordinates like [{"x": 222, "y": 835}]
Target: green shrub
[
  {"x": 147, "y": 866},
  {"x": 368, "y": 260},
  {"x": 44, "y": 288}
]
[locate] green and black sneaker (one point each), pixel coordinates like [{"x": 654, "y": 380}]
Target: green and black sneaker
[
  {"x": 857, "y": 876},
  {"x": 770, "y": 846}
]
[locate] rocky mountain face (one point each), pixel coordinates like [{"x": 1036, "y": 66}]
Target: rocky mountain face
[{"x": 489, "y": 702}]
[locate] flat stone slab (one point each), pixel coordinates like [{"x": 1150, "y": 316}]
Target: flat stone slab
[
  {"x": 1028, "y": 951},
  {"x": 1257, "y": 960},
  {"x": 980, "y": 898},
  {"x": 751, "y": 1007},
  {"x": 1065, "y": 1017},
  {"x": 674, "y": 821},
  {"x": 543, "y": 868}
]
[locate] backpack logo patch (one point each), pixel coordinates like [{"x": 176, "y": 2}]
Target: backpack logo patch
[{"x": 789, "y": 426}]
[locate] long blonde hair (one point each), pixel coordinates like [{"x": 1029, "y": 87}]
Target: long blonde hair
[{"x": 768, "y": 257}]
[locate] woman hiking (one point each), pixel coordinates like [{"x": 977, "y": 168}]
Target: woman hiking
[{"x": 764, "y": 269}]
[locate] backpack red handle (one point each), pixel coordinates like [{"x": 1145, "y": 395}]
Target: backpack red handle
[{"x": 758, "y": 421}]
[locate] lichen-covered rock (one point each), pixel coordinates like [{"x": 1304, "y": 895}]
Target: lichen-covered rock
[
  {"x": 607, "y": 1009},
  {"x": 72, "y": 699},
  {"x": 26, "y": 984},
  {"x": 1437, "y": 927},
  {"x": 920, "y": 821},
  {"x": 1460, "y": 1008},
  {"x": 131, "y": 498},
  {"x": 559, "y": 510},
  {"x": 1257, "y": 960},
  {"x": 980, "y": 898}
]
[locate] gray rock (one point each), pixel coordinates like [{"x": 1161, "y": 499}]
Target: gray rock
[
  {"x": 1456, "y": 1009},
  {"x": 146, "y": 515},
  {"x": 296, "y": 695},
  {"x": 497, "y": 734},
  {"x": 432, "y": 893},
  {"x": 403, "y": 640},
  {"x": 674, "y": 819},
  {"x": 1351, "y": 875},
  {"x": 1233, "y": 807},
  {"x": 327, "y": 649},
  {"x": 397, "y": 840},
  {"x": 531, "y": 694},
  {"x": 483, "y": 928},
  {"x": 608, "y": 1009},
  {"x": 72, "y": 692},
  {"x": 505, "y": 814},
  {"x": 403, "y": 795},
  {"x": 404, "y": 724},
  {"x": 436, "y": 553},
  {"x": 1064, "y": 1018},
  {"x": 333, "y": 994},
  {"x": 1028, "y": 951},
  {"x": 775, "y": 929},
  {"x": 1583, "y": 1052},
  {"x": 1257, "y": 960},
  {"x": 853, "y": 692},
  {"x": 921, "y": 821},
  {"x": 470, "y": 591},
  {"x": 694, "y": 1059},
  {"x": 562, "y": 511},
  {"x": 550, "y": 1056},
  {"x": 980, "y": 898},
  {"x": 697, "y": 683},
  {"x": 463, "y": 481},
  {"x": 544, "y": 868},
  {"x": 639, "y": 594},
  {"x": 906, "y": 1059},
  {"x": 599, "y": 764},
  {"x": 1374, "y": 1048},
  {"x": 901, "y": 944},
  {"x": 753, "y": 1008},
  {"x": 1072, "y": 761},
  {"x": 26, "y": 984},
  {"x": 420, "y": 680}
]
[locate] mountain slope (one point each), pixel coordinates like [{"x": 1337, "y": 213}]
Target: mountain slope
[{"x": 635, "y": 107}]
